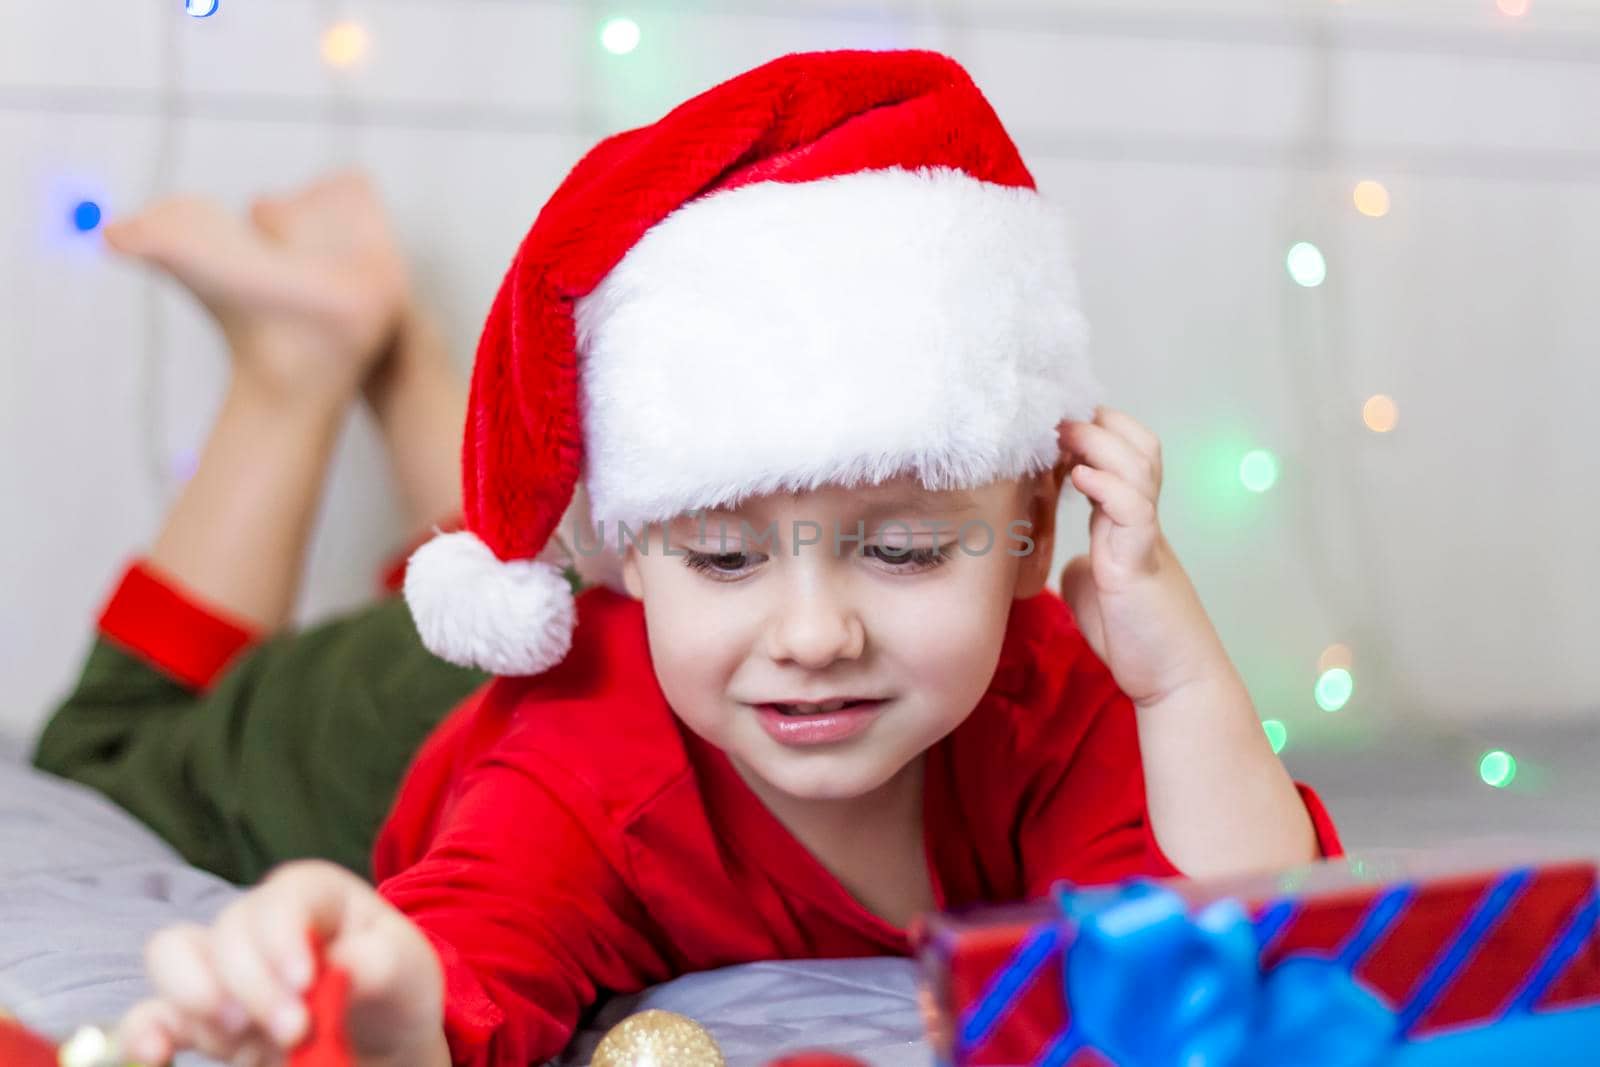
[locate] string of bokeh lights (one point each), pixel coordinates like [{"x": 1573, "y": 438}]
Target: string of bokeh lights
[
  {"x": 345, "y": 44},
  {"x": 1307, "y": 267}
]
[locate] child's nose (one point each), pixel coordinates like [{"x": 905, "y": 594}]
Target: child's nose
[{"x": 813, "y": 628}]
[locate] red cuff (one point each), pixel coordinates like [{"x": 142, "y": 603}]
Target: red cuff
[
  {"x": 1161, "y": 865},
  {"x": 152, "y": 616},
  {"x": 1328, "y": 844},
  {"x": 392, "y": 575}
]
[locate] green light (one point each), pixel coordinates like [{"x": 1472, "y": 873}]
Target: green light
[
  {"x": 1277, "y": 734},
  {"x": 619, "y": 36},
  {"x": 1497, "y": 768},
  {"x": 1306, "y": 265},
  {"x": 1259, "y": 470},
  {"x": 1334, "y": 689}
]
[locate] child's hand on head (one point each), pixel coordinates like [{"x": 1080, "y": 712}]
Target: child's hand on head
[
  {"x": 235, "y": 991},
  {"x": 1132, "y": 598},
  {"x": 309, "y": 291}
]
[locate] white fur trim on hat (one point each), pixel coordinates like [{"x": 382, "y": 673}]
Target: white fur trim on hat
[
  {"x": 507, "y": 617},
  {"x": 779, "y": 336}
]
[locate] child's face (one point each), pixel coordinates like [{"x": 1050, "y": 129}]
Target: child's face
[{"x": 890, "y": 618}]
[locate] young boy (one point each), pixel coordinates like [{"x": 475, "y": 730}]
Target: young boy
[{"x": 814, "y": 333}]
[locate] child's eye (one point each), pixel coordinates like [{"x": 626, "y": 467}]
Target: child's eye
[
  {"x": 910, "y": 560},
  {"x": 720, "y": 566},
  {"x": 730, "y": 566}
]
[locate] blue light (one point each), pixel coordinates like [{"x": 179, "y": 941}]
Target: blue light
[
  {"x": 201, "y": 8},
  {"x": 86, "y": 216}
]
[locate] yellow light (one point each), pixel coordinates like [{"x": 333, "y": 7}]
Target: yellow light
[
  {"x": 1380, "y": 413},
  {"x": 344, "y": 44},
  {"x": 1372, "y": 199},
  {"x": 1335, "y": 656},
  {"x": 1514, "y": 8}
]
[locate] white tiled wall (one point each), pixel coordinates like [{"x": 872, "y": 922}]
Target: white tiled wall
[{"x": 1193, "y": 141}]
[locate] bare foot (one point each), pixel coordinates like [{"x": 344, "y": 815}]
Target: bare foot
[{"x": 309, "y": 291}]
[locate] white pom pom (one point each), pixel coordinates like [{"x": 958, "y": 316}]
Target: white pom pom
[{"x": 476, "y": 610}]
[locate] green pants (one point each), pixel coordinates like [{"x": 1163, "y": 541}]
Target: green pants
[{"x": 295, "y": 751}]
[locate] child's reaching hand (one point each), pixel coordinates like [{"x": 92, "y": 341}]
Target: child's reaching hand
[
  {"x": 235, "y": 991},
  {"x": 308, "y": 292}
]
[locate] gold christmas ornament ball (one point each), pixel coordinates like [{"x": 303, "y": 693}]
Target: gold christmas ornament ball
[
  {"x": 90, "y": 1046},
  {"x": 657, "y": 1038}
]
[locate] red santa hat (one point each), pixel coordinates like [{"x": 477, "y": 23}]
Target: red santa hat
[{"x": 833, "y": 269}]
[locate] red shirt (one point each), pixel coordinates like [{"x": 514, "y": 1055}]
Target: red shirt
[{"x": 563, "y": 835}]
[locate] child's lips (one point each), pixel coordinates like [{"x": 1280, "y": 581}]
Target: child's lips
[{"x": 818, "y": 728}]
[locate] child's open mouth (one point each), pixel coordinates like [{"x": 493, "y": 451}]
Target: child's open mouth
[{"x": 817, "y": 724}]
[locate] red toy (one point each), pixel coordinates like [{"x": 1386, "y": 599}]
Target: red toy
[
  {"x": 816, "y": 1059},
  {"x": 23, "y": 1048},
  {"x": 325, "y": 1045}
]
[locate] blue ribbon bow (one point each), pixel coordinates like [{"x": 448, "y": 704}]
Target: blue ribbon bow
[{"x": 1151, "y": 985}]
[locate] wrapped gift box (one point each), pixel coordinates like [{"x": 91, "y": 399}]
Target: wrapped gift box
[{"x": 1450, "y": 958}]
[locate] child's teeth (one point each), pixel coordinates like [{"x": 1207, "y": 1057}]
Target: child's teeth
[{"x": 812, "y": 709}]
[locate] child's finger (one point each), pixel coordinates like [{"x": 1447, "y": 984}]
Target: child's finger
[
  {"x": 321, "y": 891},
  {"x": 154, "y": 1031},
  {"x": 298, "y": 905},
  {"x": 150, "y": 1032},
  {"x": 1099, "y": 447},
  {"x": 395, "y": 987},
  {"x": 379, "y": 953},
  {"x": 1121, "y": 502},
  {"x": 368, "y": 958},
  {"x": 285, "y": 939},
  {"x": 179, "y": 961},
  {"x": 208, "y": 1037},
  {"x": 1143, "y": 438},
  {"x": 243, "y": 965}
]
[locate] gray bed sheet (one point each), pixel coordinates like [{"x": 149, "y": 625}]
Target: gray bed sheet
[{"x": 82, "y": 885}]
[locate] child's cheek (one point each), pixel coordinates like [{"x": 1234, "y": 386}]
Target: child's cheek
[{"x": 947, "y": 636}]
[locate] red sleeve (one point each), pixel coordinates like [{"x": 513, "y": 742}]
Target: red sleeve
[
  {"x": 152, "y": 616},
  {"x": 521, "y": 893},
  {"x": 1089, "y": 820},
  {"x": 1328, "y": 844},
  {"x": 392, "y": 575}
]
